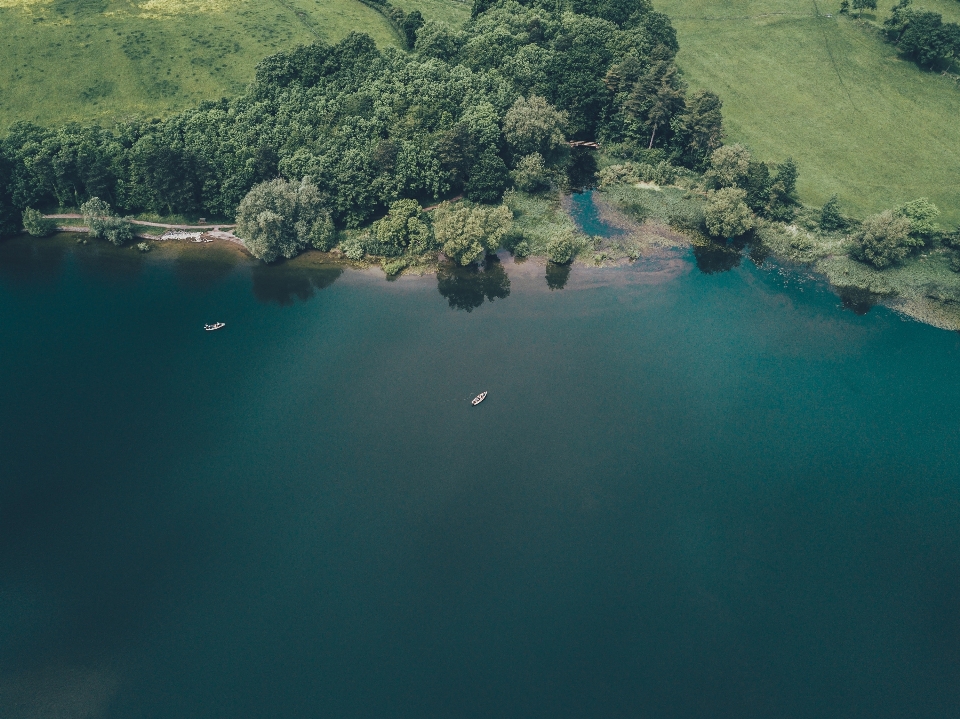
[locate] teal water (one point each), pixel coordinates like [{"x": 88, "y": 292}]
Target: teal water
[{"x": 687, "y": 494}]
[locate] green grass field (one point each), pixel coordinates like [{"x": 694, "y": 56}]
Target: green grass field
[
  {"x": 99, "y": 60},
  {"x": 860, "y": 122}
]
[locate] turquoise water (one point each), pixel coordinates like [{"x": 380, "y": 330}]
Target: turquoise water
[{"x": 687, "y": 494}]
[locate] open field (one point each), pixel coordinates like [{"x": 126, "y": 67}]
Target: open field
[
  {"x": 860, "y": 122},
  {"x": 452, "y": 12},
  {"x": 104, "y": 59}
]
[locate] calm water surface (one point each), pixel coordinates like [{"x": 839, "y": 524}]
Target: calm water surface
[{"x": 687, "y": 495}]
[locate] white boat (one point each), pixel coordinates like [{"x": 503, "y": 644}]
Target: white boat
[
  {"x": 214, "y": 326},
  {"x": 478, "y": 399}
]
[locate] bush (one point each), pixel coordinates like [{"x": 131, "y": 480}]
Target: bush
[
  {"x": 468, "y": 232},
  {"x": 561, "y": 250},
  {"x": 280, "y": 218},
  {"x": 921, "y": 213},
  {"x": 103, "y": 224},
  {"x": 353, "y": 249},
  {"x": 831, "y": 219},
  {"x": 143, "y": 247},
  {"x": 521, "y": 249},
  {"x": 36, "y": 224},
  {"x": 531, "y": 174},
  {"x": 394, "y": 267},
  {"x": 727, "y": 213},
  {"x": 883, "y": 240},
  {"x": 401, "y": 230}
]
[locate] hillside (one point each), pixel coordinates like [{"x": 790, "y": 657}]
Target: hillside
[
  {"x": 860, "y": 121},
  {"x": 102, "y": 59}
]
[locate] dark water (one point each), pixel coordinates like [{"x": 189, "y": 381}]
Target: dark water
[{"x": 687, "y": 495}]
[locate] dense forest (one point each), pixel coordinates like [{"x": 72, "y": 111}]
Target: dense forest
[{"x": 469, "y": 111}]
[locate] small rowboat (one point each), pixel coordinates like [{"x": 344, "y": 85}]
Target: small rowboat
[
  {"x": 214, "y": 326},
  {"x": 478, "y": 399}
]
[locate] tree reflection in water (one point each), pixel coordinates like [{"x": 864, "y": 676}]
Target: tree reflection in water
[
  {"x": 557, "y": 275},
  {"x": 466, "y": 287},
  {"x": 857, "y": 300},
  {"x": 27, "y": 259},
  {"x": 282, "y": 282},
  {"x": 202, "y": 269},
  {"x": 582, "y": 170},
  {"x": 713, "y": 257}
]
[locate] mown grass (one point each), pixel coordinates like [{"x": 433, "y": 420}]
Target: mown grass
[
  {"x": 101, "y": 60},
  {"x": 860, "y": 121}
]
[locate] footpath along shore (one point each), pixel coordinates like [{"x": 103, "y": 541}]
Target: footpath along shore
[{"x": 205, "y": 232}]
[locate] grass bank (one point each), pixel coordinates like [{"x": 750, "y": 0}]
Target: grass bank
[
  {"x": 101, "y": 60},
  {"x": 860, "y": 122}
]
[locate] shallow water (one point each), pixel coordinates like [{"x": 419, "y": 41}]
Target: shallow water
[{"x": 686, "y": 495}]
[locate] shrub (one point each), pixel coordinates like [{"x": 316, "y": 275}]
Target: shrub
[
  {"x": 394, "y": 267},
  {"x": 143, "y": 246},
  {"x": 561, "y": 250},
  {"x": 36, "y": 224},
  {"x": 521, "y": 249},
  {"x": 353, "y": 249},
  {"x": 921, "y": 213},
  {"x": 884, "y": 240},
  {"x": 831, "y": 219},
  {"x": 103, "y": 224},
  {"x": 401, "y": 230},
  {"x": 727, "y": 214},
  {"x": 467, "y": 232},
  {"x": 531, "y": 173}
]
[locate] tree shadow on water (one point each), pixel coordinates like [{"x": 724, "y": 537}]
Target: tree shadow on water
[
  {"x": 204, "y": 272},
  {"x": 557, "y": 275},
  {"x": 582, "y": 170},
  {"x": 858, "y": 301},
  {"x": 284, "y": 282},
  {"x": 24, "y": 259},
  {"x": 714, "y": 257},
  {"x": 465, "y": 288}
]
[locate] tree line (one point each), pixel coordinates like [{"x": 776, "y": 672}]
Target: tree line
[{"x": 471, "y": 111}]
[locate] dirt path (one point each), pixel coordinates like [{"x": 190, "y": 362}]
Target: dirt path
[{"x": 208, "y": 226}]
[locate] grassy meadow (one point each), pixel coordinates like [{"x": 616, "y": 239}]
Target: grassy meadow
[
  {"x": 859, "y": 121},
  {"x": 99, "y": 60}
]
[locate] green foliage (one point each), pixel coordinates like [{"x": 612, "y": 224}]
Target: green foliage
[
  {"x": 862, "y": 5},
  {"x": 103, "y": 224},
  {"x": 831, "y": 219},
  {"x": 534, "y": 126},
  {"x": 488, "y": 178},
  {"x": 561, "y": 250},
  {"x": 280, "y": 218},
  {"x": 143, "y": 246},
  {"x": 394, "y": 267},
  {"x": 770, "y": 195},
  {"x": 352, "y": 248},
  {"x": 468, "y": 232},
  {"x": 921, "y": 213},
  {"x": 884, "y": 240},
  {"x": 922, "y": 35},
  {"x": 727, "y": 214},
  {"x": 531, "y": 174},
  {"x": 36, "y": 224},
  {"x": 401, "y": 231}
]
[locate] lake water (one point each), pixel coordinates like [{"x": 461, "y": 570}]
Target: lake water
[{"x": 687, "y": 494}]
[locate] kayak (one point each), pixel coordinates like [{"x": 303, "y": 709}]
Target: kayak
[{"x": 479, "y": 398}]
